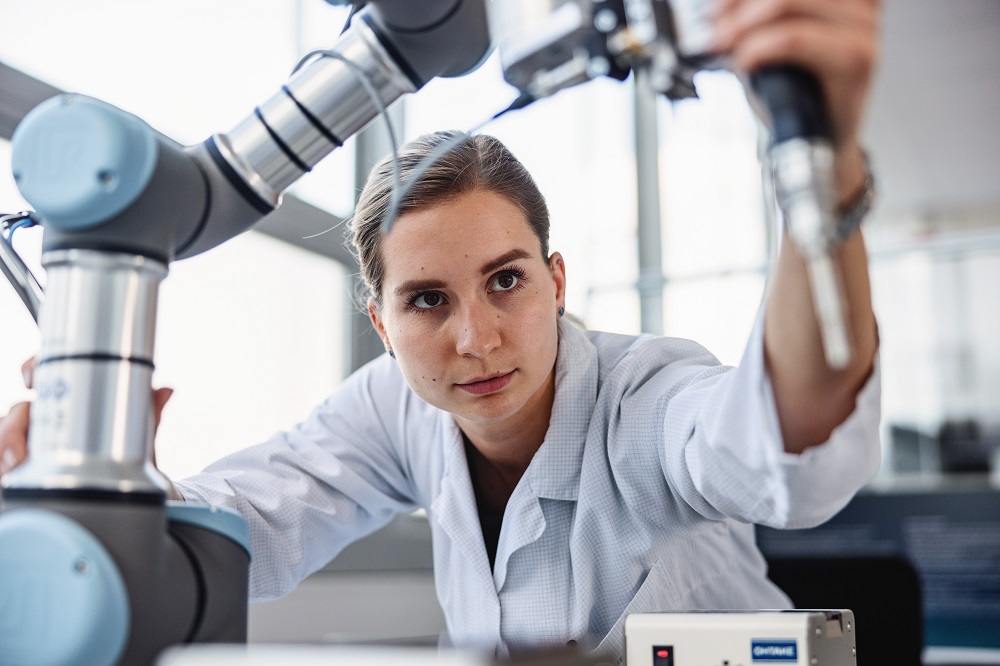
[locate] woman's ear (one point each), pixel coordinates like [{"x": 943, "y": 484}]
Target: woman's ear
[
  {"x": 558, "y": 268},
  {"x": 375, "y": 314}
]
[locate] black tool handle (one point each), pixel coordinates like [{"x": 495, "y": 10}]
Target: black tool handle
[{"x": 795, "y": 101}]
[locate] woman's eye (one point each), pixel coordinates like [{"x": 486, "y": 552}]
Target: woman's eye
[
  {"x": 428, "y": 300},
  {"x": 504, "y": 282}
]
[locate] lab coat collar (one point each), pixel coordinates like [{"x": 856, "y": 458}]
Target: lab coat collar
[
  {"x": 554, "y": 472},
  {"x": 455, "y": 506},
  {"x": 523, "y": 523}
]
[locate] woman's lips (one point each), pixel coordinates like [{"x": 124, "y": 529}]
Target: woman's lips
[{"x": 487, "y": 385}]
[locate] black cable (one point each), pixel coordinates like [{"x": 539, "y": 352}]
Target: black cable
[
  {"x": 523, "y": 100},
  {"x": 355, "y": 6}
]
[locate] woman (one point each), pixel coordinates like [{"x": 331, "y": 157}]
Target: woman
[{"x": 570, "y": 477}]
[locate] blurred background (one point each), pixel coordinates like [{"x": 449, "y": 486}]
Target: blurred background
[{"x": 253, "y": 334}]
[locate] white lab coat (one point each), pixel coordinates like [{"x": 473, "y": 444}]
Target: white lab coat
[{"x": 641, "y": 498}]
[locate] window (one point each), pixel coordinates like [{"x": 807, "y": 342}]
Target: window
[
  {"x": 250, "y": 334},
  {"x": 714, "y": 230}
]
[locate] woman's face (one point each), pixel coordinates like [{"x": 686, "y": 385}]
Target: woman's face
[{"x": 469, "y": 307}]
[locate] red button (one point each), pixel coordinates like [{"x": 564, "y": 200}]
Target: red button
[{"x": 663, "y": 654}]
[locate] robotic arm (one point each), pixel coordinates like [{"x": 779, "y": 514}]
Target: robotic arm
[{"x": 118, "y": 203}]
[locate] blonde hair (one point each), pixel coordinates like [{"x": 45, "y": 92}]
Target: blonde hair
[{"x": 474, "y": 162}]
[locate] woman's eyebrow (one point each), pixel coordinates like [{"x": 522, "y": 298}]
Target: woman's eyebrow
[
  {"x": 411, "y": 286},
  {"x": 491, "y": 266}
]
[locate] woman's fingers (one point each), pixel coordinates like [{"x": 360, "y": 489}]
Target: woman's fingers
[
  {"x": 160, "y": 398},
  {"x": 835, "y": 40},
  {"x": 14, "y": 437},
  {"x": 28, "y": 372},
  {"x": 842, "y": 61},
  {"x": 734, "y": 19},
  {"x": 14, "y": 426}
]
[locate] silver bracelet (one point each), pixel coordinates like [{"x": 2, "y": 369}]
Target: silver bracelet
[{"x": 850, "y": 220}]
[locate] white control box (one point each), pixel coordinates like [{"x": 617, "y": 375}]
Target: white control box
[{"x": 741, "y": 638}]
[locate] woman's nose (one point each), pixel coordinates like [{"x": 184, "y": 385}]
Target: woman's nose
[{"x": 478, "y": 330}]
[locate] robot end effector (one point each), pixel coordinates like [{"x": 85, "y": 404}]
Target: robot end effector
[{"x": 547, "y": 45}]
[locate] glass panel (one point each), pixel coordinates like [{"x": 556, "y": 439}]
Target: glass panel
[
  {"x": 716, "y": 312},
  {"x": 939, "y": 320},
  {"x": 714, "y": 233},
  {"x": 713, "y": 210},
  {"x": 251, "y": 337}
]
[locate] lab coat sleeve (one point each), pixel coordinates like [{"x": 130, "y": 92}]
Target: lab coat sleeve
[
  {"x": 724, "y": 452},
  {"x": 308, "y": 492}
]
